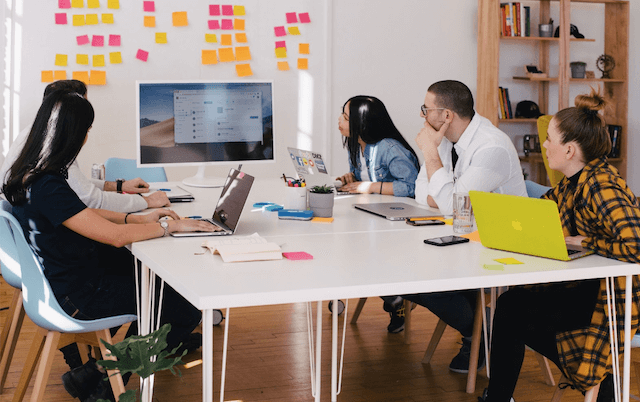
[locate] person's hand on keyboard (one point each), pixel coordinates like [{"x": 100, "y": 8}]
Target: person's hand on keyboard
[{"x": 192, "y": 225}]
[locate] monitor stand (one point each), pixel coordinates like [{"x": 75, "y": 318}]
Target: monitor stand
[{"x": 199, "y": 180}]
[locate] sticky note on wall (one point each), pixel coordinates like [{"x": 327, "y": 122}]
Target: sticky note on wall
[
  {"x": 238, "y": 10},
  {"x": 82, "y": 59},
  {"x": 214, "y": 9},
  {"x": 226, "y": 24},
  {"x": 61, "y": 18},
  {"x": 292, "y": 18},
  {"x": 98, "y": 77},
  {"x": 243, "y": 53},
  {"x": 64, "y": 3},
  {"x": 180, "y": 19},
  {"x": 303, "y": 48},
  {"x": 78, "y": 20},
  {"x": 210, "y": 38},
  {"x": 149, "y": 21},
  {"x": 98, "y": 60},
  {"x": 238, "y": 24},
  {"x": 243, "y": 70},
  {"x": 161, "y": 37},
  {"x": 113, "y": 4},
  {"x": 61, "y": 60},
  {"x": 279, "y": 31},
  {"x": 77, "y": 3},
  {"x": 226, "y": 54},
  {"x": 283, "y": 65},
  {"x": 213, "y": 24},
  {"x": 225, "y": 40},
  {"x": 114, "y": 40},
  {"x": 209, "y": 57},
  {"x": 227, "y": 10},
  {"x": 281, "y": 52},
  {"x": 303, "y": 64},
  {"x": 46, "y": 76},
  {"x": 81, "y": 76},
  {"x": 93, "y": 3},
  {"x": 241, "y": 37},
  {"x": 59, "y": 75},
  {"x": 294, "y": 31},
  {"x": 142, "y": 55},
  {"x": 97, "y": 41},
  {"x": 107, "y": 18},
  {"x": 149, "y": 6},
  {"x": 82, "y": 39},
  {"x": 304, "y": 18},
  {"x": 115, "y": 58},
  {"x": 92, "y": 19}
]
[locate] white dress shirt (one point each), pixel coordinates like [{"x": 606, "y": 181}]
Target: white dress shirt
[{"x": 487, "y": 161}]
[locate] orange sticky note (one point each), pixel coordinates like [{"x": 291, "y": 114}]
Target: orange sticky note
[
  {"x": 281, "y": 52},
  {"x": 283, "y": 65},
  {"x": 61, "y": 60},
  {"x": 82, "y": 59},
  {"x": 244, "y": 70},
  {"x": 238, "y": 24},
  {"x": 294, "y": 31},
  {"x": 161, "y": 37},
  {"x": 210, "y": 38},
  {"x": 107, "y": 18},
  {"x": 81, "y": 76},
  {"x": 98, "y": 77},
  {"x": 59, "y": 75},
  {"x": 77, "y": 3},
  {"x": 149, "y": 21},
  {"x": 225, "y": 40},
  {"x": 92, "y": 19},
  {"x": 243, "y": 53},
  {"x": 238, "y": 10},
  {"x": 209, "y": 57},
  {"x": 226, "y": 54},
  {"x": 113, "y": 4},
  {"x": 78, "y": 20},
  {"x": 303, "y": 48},
  {"x": 303, "y": 64},
  {"x": 241, "y": 37},
  {"x": 98, "y": 60},
  {"x": 93, "y": 3},
  {"x": 46, "y": 76},
  {"x": 180, "y": 19},
  {"x": 115, "y": 58}
]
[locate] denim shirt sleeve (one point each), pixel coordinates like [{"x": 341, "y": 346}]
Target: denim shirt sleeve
[
  {"x": 400, "y": 166},
  {"x": 355, "y": 170}
]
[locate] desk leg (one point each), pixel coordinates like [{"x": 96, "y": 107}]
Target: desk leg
[
  {"x": 319, "y": 349},
  {"x": 626, "y": 373},
  {"x": 144, "y": 322},
  {"x": 334, "y": 353},
  {"x": 207, "y": 355}
]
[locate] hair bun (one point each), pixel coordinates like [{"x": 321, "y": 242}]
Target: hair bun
[{"x": 592, "y": 103}]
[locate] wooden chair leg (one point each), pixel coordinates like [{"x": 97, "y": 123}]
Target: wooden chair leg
[
  {"x": 407, "y": 321},
  {"x": 44, "y": 366},
  {"x": 636, "y": 366},
  {"x": 543, "y": 362},
  {"x": 84, "y": 352},
  {"x": 30, "y": 364},
  {"x": 592, "y": 394},
  {"x": 557, "y": 394},
  {"x": 117, "y": 385},
  {"x": 356, "y": 313},
  {"x": 10, "y": 335},
  {"x": 433, "y": 343},
  {"x": 475, "y": 346}
]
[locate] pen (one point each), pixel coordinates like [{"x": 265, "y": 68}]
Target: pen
[
  {"x": 285, "y": 179},
  {"x": 193, "y": 217},
  {"x": 164, "y": 189}
]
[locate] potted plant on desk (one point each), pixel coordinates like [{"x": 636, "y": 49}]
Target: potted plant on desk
[{"x": 321, "y": 201}]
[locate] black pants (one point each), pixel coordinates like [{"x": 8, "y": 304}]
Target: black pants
[
  {"x": 532, "y": 317},
  {"x": 455, "y": 308}
]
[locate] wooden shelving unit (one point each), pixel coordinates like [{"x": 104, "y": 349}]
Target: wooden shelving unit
[{"x": 616, "y": 44}]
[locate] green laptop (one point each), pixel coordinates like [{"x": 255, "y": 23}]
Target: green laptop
[{"x": 522, "y": 225}]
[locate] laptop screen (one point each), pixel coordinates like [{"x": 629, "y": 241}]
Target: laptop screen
[{"x": 234, "y": 196}]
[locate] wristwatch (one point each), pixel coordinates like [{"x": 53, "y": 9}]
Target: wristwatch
[
  {"x": 165, "y": 226},
  {"x": 119, "y": 185}
]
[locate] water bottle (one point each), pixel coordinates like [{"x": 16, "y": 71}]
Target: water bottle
[{"x": 97, "y": 171}]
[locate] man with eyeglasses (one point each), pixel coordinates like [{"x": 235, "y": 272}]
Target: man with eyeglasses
[{"x": 462, "y": 151}]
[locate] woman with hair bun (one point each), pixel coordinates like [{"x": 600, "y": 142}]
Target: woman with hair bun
[{"x": 568, "y": 322}]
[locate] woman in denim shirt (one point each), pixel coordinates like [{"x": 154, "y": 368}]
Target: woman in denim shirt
[{"x": 391, "y": 164}]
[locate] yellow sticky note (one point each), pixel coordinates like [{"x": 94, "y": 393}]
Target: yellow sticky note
[
  {"x": 243, "y": 53},
  {"x": 93, "y": 3},
  {"x": 81, "y": 76},
  {"x": 244, "y": 70},
  {"x": 238, "y": 24},
  {"x": 241, "y": 37},
  {"x": 113, "y": 4},
  {"x": 508, "y": 261},
  {"x": 149, "y": 21},
  {"x": 209, "y": 57},
  {"x": 180, "y": 19},
  {"x": 303, "y": 64},
  {"x": 92, "y": 19},
  {"x": 115, "y": 58},
  {"x": 238, "y": 10},
  {"x": 318, "y": 219},
  {"x": 226, "y": 54},
  {"x": 98, "y": 60},
  {"x": 59, "y": 75},
  {"x": 98, "y": 77},
  {"x": 161, "y": 37},
  {"x": 46, "y": 76},
  {"x": 225, "y": 40},
  {"x": 473, "y": 236},
  {"x": 210, "y": 38},
  {"x": 283, "y": 65},
  {"x": 303, "y": 48},
  {"x": 107, "y": 18},
  {"x": 78, "y": 20},
  {"x": 82, "y": 59},
  {"x": 281, "y": 52},
  {"x": 77, "y": 3},
  {"x": 448, "y": 221},
  {"x": 294, "y": 31},
  {"x": 61, "y": 60}
]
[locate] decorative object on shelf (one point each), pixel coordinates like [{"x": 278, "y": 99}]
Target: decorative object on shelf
[
  {"x": 533, "y": 72},
  {"x": 614, "y": 134},
  {"x": 528, "y": 109},
  {"x": 546, "y": 30},
  {"x": 578, "y": 69},
  {"x": 590, "y": 75},
  {"x": 573, "y": 30},
  {"x": 321, "y": 201},
  {"x": 605, "y": 64},
  {"x": 531, "y": 143}
]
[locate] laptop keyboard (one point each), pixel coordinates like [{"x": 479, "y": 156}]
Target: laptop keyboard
[{"x": 571, "y": 252}]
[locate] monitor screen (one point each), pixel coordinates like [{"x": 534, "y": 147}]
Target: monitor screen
[{"x": 204, "y": 122}]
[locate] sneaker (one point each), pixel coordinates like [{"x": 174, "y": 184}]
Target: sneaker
[
  {"x": 393, "y": 305},
  {"x": 460, "y": 363},
  {"x": 193, "y": 343},
  {"x": 102, "y": 391},
  {"x": 82, "y": 381},
  {"x": 483, "y": 398},
  {"x": 397, "y": 320}
]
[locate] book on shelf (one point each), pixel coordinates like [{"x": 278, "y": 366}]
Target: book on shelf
[
  {"x": 508, "y": 104},
  {"x": 615, "y": 133},
  {"x": 501, "y": 113},
  {"x": 516, "y": 19},
  {"x": 505, "y": 104}
]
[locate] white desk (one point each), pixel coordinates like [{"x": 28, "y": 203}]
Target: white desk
[{"x": 359, "y": 255}]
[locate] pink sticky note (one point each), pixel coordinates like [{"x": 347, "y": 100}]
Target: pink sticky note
[
  {"x": 142, "y": 55},
  {"x": 64, "y": 3},
  {"x": 98, "y": 40},
  {"x": 298, "y": 255},
  {"x": 82, "y": 39},
  {"x": 304, "y": 18},
  {"x": 149, "y": 6},
  {"x": 292, "y": 18},
  {"x": 280, "y": 31},
  {"x": 114, "y": 40},
  {"x": 214, "y": 24},
  {"x": 227, "y": 10},
  {"x": 227, "y": 24},
  {"x": 281, "y": 43},
  {"x": 61, "y": 18},
  {"x": 214, "y": 9}
]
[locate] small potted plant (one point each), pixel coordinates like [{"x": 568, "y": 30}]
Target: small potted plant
[{"x": 321, "y": 201}]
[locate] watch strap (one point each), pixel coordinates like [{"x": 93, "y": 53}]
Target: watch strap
[{"x": 119, "y": 185}]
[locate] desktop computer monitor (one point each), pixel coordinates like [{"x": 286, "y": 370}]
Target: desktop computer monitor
[{"x": 201, "y": 123}]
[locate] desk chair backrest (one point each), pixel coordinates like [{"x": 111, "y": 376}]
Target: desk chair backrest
[
  {"x": 9, "y": 260},
  {"x": 119, "y": 168},
  {"x": 543, "y": 125},
  {"x": 535, "y": 190},
  {"x": 39, "y": 301}
]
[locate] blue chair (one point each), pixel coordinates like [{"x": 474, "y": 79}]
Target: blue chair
[
  {"x": 56, "y": 327},
  {"x": 119, "y": 168},
  {"x": 535, "y": 190}
]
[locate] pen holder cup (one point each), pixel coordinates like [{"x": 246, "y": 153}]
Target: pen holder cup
[
  {"x": 296, "y": 198},
  {"x": 545, "y": 30}
]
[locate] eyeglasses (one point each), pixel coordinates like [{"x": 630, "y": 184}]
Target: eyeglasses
[{"x": 424, "y": 110}]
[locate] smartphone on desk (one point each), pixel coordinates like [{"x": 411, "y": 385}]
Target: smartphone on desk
[
  {"x": 425, "y": 222},
  {"x": 446, "y": 240}
]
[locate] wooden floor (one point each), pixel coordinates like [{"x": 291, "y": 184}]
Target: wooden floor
[{"x": 269, "y": 361}]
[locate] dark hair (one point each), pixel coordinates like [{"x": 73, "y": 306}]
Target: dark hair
[
  {"x": 369, "y": 120},
  {"x": 66, "y": 85},
  {"x": 455, "y": 96},
  {"x": 56, "y": 137},
  {"x": 584, "y": 125}
]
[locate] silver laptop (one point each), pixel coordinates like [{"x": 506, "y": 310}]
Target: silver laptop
[
  {"x": 230, "y": 205},
  {"x": 397, "y": 211},
  {"x": 310, "y": 167}
]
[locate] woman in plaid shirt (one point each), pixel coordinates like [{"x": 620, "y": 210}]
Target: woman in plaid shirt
[{"x": 567, "y": 322}]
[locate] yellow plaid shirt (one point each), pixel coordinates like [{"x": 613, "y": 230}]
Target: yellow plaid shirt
[{"x": 604, "y": 210}]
